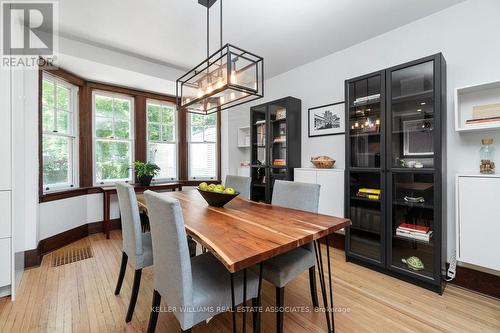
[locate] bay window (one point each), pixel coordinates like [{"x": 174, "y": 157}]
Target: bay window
[
  {"x": 59, "y": 134},
  {"x": 162, "y": 138},
  {"x": 202, "y": 146},
  {"x": 113, "y": 137}
]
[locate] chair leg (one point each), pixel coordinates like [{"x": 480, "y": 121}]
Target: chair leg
[
  {"x": 135, "y": 292},
  {"x": 153, "y": 317},
  {"x": 121, "y": 275},
  {"x": 186, "y": 331},
  {"x": 280, "y": 315},
  {"x": 256, "y": 315},
  {"x": 312, "y": 286}
]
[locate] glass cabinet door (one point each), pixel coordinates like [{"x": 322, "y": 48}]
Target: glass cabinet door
[
  {"x": 411, "y": 169},
  {"x": 259, "y": 159},
  {"x": 365, "y": 122},
  {"x": 366, "y": 138}
]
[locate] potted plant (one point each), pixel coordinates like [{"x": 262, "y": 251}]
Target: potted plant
[{"x": 145, "y": 172}]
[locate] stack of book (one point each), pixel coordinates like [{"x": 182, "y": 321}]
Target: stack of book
[
  {"x": 414, "y": 231},
  {"x": 369, "y": 193}
]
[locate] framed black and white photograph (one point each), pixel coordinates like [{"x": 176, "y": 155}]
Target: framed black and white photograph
[
  {"x": 418, "y": 137},
  {"x": 327, "y": 120}
]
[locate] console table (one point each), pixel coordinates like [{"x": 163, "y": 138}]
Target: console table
[{"x": 107, "y": 191}]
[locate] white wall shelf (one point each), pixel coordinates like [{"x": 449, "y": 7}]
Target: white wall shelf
[
  {"x": 244, "y": 137},
  {"x": 475, "y": 95}
]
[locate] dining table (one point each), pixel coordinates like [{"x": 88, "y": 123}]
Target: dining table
[{"x": 244, "y": 234}]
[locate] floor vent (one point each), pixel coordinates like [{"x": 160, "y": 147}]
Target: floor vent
[{"x": 68, "y": 256}]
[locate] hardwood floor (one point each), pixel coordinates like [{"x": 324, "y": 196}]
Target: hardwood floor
[{"x": 78, "y": 297}]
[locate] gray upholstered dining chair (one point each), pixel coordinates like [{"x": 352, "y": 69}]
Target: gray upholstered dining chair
[
  {"x": 136, "y": 245},
  {"x": 284, "y": 268},
  {"x": 240, "y": 184},
  {"x": 200, "y": 285}
]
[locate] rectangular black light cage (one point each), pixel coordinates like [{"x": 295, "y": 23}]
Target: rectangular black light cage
[{"x": 229, "y": 77}]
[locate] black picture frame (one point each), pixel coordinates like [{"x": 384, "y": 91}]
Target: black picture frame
[{"x": 339, "y": 112}]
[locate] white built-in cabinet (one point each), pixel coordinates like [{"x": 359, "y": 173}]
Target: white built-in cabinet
[
  {"x": 478, "y": 220},
  {"x": 331, "y": 196},
  {"x": 6, "y": 260}
]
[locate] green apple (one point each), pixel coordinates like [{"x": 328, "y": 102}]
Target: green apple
[
  {"x": 203, "y": 186},
  {"x": 220, "y": 188},
  {"x": 211, "y": 187},
  {"x": 229, "y": 190}
]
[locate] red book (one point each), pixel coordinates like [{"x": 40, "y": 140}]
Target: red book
[{"x": 415, "y": 228}]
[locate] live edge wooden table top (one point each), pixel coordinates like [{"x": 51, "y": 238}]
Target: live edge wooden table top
[{"x": 244, "y": 233}]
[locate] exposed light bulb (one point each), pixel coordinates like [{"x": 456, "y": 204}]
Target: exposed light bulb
[
  {"x": 423, "y": 103},
  {"x": 233, "y": 77},
  {"x": 209, "y": 89},
  {"x": 419, "y": 110},
  {"x": 356, "y": 124},
  {"x": 377, "y": 122}
]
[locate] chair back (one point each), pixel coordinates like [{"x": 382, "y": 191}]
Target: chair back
[
  {"x": 240, "y": 184},
  {"x": 131, "y": 221},
  {"x": 296, "y": 195},
  {"x": 172, "y": 263}
]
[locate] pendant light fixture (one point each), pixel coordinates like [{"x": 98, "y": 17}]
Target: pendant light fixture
[{"x": 230, "y": 76}]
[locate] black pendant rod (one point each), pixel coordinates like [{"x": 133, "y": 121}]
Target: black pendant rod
[{"x": 220, "y": 24}]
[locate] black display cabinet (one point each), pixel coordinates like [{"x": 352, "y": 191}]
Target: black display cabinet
[
  {"x": 396, "y": 171},
  {"x": 275, "y": 137}
]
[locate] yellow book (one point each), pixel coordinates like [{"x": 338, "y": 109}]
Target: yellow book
[{"x": 369, "y": 190}]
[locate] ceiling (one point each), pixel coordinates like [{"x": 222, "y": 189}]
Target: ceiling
[{"x": 287, "y": 33}]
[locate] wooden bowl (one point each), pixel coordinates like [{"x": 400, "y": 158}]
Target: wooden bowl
[
  {"x": 217, "y": 199},
  {"x": 323, "y": 162}
]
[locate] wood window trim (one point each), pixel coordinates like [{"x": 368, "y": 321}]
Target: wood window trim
[{"x": 85, "y": 89}]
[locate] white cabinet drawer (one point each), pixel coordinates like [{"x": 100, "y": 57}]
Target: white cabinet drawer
[
  {"x": 5, "y": 129},
  {"x": 5, "y": 262},
  {"x": 478, "y": 230},
  {"x": 304, "y": 176},
  {"x": 5, "y": 214}
]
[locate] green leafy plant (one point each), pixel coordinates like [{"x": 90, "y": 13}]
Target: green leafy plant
[{"x": 145, "y": 169}]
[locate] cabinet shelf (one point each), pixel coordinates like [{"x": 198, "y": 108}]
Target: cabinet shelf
[
  {"x": 400, "y": 202},
  {"x": 416, "y": 96}
]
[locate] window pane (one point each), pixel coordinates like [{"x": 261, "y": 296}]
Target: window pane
[
  {"x": 62, "y": 122},
  {"x": 48, "y": 119},
  {"x": 167, "y": 115},
  {"x": 154, "y": 132},
  {"x": 112, "y": 160},
  {"x": 55, "y": 160},
  {"x": 62, "y": 98},
  {"x": 103, "y": 106},
  {"x": 153, "y": 113},
  {"x": 210, "y": 134},
  {"x": 197, "y": 125},
  {"x": 122, "y": 129},
  {"x": 48, "y": 94},
  {"x": 103, "y": 127},
  {"x": 211, "y": 120},
  {"x": 122, "y": 108},
  {"x": 202, "y": 160},
  {"x": 168, "y": 133},
  {"x": 164, "y": 155}
]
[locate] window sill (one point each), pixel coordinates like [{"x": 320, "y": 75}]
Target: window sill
[{"x": 69, "y": 193}]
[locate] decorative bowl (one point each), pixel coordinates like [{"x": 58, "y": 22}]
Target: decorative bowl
[
  {"x": 217, "y": 199},
  {"x": 323, "y": 162}
]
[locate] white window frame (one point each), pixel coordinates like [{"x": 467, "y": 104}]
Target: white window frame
[
  {"x": 176, "y": 142},
  {"x": 72, "y": 134},
  {"x": 189, "y": 143},
  {"x": 131, "y": 177}
]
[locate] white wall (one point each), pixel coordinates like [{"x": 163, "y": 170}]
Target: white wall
[
  {"x": 466, "y": 34},
  {"x": 62, "y": 215}
]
